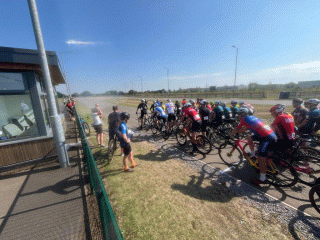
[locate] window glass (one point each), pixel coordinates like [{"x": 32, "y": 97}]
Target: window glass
[
  {"x": 17, "y": 119},
  {"x": 45, "y": 109},
  {"x": 11, "y": 81}
]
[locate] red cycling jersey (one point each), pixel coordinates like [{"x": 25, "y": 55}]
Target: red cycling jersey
[
  {"x": 209, "y": 107},
  {"x": 284, "y": 126},
  {"x": 193, "y": 114}
]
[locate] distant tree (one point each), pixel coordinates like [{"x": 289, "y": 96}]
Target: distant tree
[
  {"x": 86, "y": 94},
  {"x": 60, "y": 95},
  {"x": 253, "y": 86},
  {"x": 75, "y": 95},
  {"x": 131, "y": 92},
  {"x": 290, "y": 85}
]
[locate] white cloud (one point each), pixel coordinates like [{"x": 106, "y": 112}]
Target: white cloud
[{"x": 75, "y": 42}]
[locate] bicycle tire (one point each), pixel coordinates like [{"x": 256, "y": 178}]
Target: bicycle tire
[
  {"x": 233, "y": 159},
  {"x": 181, "y": 137},
  {"x": 86, "y": 128},
  {"x": 216, "y": 139},
  {"x": 286, "y": 175},
  {"x": 166, "y": 135},
  {"x": 153, "y": 127},
  {"x": 315, "y": 191},
  {"x": 203, "y": 144},
  {"x": 111, "y": 149},
  {"x": 139, "y": 122},
  {"x": 299, "y": 164}
]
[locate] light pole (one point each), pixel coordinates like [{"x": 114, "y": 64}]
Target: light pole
[
  {"x": 167, "y": 77},
  {"x": 235, "y": 73},
  {"x": 64, "y": 72},
  {"x": 141, "y": 83}
]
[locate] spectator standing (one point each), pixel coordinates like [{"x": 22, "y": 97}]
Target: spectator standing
[
  {"x": 125, "y": 142},
  {"x": 114, "y": 123},
  {"x": 97, "y": 124}
]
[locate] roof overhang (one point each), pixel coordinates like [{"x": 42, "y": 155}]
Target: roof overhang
[{"x": 29, "y": 60}]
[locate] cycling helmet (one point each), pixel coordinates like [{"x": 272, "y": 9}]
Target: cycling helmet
[
  {"x": 241, "y": 102},
  {"x": 211, "y": 102},
  {"x": 243, "y": 111},
  {"x": 313, "y": 101},
  {"x": 277, "y": 108},
  {"x": 234, "y": 102},
  {"x": 223, "y": 104},
  {"x": 191, "y": 101},
  {"x": 217, "y": 102},
  {"x": 154, "y": 102},
  {"x": 177, "y": 101},
  {"x": 169, "y": 100},
  {"x": 124, "y": 115},
  {"x": 187, "y": 105},
  {"x": 142, "y": 100},
  {"x": 184, "y": 101},
  {"x": 297, "y": 101},
  {"x": 205, "y": 102},
  {"x": 202, "y": 102}
]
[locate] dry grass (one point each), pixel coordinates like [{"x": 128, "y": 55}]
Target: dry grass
[{"x": 167, "y": 199}]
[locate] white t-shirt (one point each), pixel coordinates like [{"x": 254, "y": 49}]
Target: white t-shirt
[
  {"x": 96, "y": 119},
  {"x": 170, "y": 107}
]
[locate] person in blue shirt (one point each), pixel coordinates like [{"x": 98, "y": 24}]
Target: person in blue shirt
[
  {"x": 312, "y": 122},
  {"x": 217, "y": 115},
  {"x": 226, "y": 110},
  {"x": 159, "y": 114},
  {"x": 125, "y": 142},
  {"x": 234, "y": 109}
]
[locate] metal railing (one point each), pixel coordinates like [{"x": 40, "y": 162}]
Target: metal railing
[{"x": 109, "y": 224}]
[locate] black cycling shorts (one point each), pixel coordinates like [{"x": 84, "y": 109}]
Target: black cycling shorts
[
  {"x": 98, "y": 129},
  {"x": 163, "y": 118},
  {"x": 171, "y": 117},
  {"x": 196, "y": 126},
  {"x": 204, "y": 125},
  {"x": 127, "y": 149},
  {"x": 265, "y": 145}
]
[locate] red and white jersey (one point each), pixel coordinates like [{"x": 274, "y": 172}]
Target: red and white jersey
[
  {"x": 284, "y": 126},
  {"x": 192, "y": 113},
  {"x": 170, "y": 107}
]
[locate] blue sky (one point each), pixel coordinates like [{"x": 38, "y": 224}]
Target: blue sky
[{"x": 111, "y": 45}]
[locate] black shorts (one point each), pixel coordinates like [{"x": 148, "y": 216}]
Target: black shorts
[
  {"x": 171, "y": 117},
  {"x": 127, "y": 149},
  {"x": 215, "y": 124},
  {"x": 204, "y": 125},
  {"x": 163, "y": 118},
  {"x": 98, "y": 128},
  {"x": 142, "y": 114},
  {"x": 196, "y": 126},
  {"x": 265, "y": 145}
]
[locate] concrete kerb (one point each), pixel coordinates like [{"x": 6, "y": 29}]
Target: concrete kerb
[{"x": 268, "y": 204}]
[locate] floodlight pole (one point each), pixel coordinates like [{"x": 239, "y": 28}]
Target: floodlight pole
[
  {"x": 235, "y": 73},
  {"x": 141, "y": 83},
  {"x": 55, "y": 120},
  {"x": 167, "y": 77},
  {"x": 64, "y": 72}
]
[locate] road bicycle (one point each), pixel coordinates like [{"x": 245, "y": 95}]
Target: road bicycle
[
  {"x": 145, "y": 121},
  {"x": 113, "y": 145},
  {"x": 280, "y": 172},
  {"x": 314, "y": 196},
  {"x": 85, "y": 127},
  {"x": 202, "y": 142}
]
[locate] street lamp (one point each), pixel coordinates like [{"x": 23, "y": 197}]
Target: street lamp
[
  {"x": 64, "y": 72},
  {"x": 141, "y": 83},
  {"x": 235, "y": 73},
  {"x": 167, "y": 77}
]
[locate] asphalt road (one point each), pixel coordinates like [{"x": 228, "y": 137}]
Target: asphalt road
[{"x": 296, "y": 196}]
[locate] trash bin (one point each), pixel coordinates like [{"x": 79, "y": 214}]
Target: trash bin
[{"x": 284, "y": 95}]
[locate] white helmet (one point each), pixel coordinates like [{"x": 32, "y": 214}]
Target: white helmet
[
  {"x": 313, "y": 101},
  {"x": 187, "y": 105}
]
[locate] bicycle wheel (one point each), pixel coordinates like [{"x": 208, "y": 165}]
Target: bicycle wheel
[
  {"x": 306, "y": 167},
  {"x": 111, "y": 149},
  {"x": 314, "y": 197},
  {"x": 230, "y": 154},
  {"x": 166, "y": 134},
  {"x": 154, "y": 128},
  {"x": 86, "y": 128},
  {"x": 216, "y": 139},
  {"x": 181, "y": 137},
  {"x": 285, "y": 176},
  {"x": 139, "y": 122},
  {"x": 203, "y": 144}
]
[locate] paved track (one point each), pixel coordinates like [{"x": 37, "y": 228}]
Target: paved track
[{"x": 297, "y": 196}]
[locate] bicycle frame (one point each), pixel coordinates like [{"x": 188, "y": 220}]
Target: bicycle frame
[{"x": 270, "y": 164}]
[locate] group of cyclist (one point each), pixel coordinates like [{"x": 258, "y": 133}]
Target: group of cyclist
[{"x": 200, "y": 114}]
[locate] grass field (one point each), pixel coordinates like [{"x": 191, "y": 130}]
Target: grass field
[{"x": 165, "y": 198}]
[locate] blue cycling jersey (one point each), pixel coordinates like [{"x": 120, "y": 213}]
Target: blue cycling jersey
[
  {"x": 218, "y": 112},
  {"x": 313, "y": 117},
  {"x": 123, "y": 129},
  {"x": 160, "y": 111},
  {"x": 226, "y": 112}
]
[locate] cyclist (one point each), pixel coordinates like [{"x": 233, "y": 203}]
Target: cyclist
[
  {"x": 226, "y": 110},
  {"x": 143, "y": 110},
  {"x": 299, "y": 113},
  {"x": 70, "y": 107},
  {"x": 170, "y": 110},
  {"x": 193, "y": 104},
  {"x": 125, "y": 142},
  {"x": 261, "y": 133},
  {"x": 217, "y": 115},
  {"x": 184, "y": 101},
  {"x": 194, "y": 117},
  {"x": 283, "y": 126},
  {"x": 158, "y": 114},
  {"x": 177, "y": 107},
  {"x": 234, "y": 109},
  {"x": 204, "y": 113},
  {"x": 312, "y": 122},
  {"x": 152, "y": 107}
]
